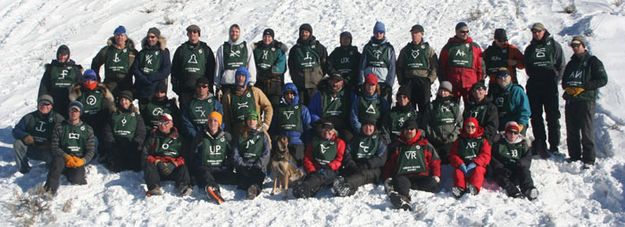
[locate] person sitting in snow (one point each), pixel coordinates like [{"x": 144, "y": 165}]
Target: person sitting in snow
[
  {"x": 32, "y": 134},
  {"x": 292, "y": 119},
  {"x": 481, "y": 107},
  {"x": 163, "y": 159},
  {"x": 412, "y": 163},
  {"x": 157, "y": 106},
  {"x": 403, "y": 112},
  {"x": 511, "y": 163},
  {"x": 251, "y": 155},
  {"x": 322, "y": 160},
  {"x": 72, "y": 147},
  {"x": 366, "y": 156},
  {"x": 470, "y": 155},
  {"x": 212, "y": 163},
  {"x": 123, "y": 136},
  {"x": 368, "y": 103},
  {"x": 444, "y": 119}
]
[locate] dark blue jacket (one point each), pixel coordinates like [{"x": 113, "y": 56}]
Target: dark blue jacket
[{"x": 295, "y": 137}]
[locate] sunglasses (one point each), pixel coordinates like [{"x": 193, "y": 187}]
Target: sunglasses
[
  {"x": 162, "y": 123},
  {"x": 536, "y": 31},
  {"x": 464, "y": 32},
  {"x": 470, "y": 126},
  {"x": 513, "y": 132},
  {"x": 575, "y": 45}
]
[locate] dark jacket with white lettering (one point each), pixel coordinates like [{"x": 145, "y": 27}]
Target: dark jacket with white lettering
[
  {"x": 145, "y": 84},
  {"x": 57, "y": 137},
  {"x": 27, "y": 125},
  {"x": 498, "y": 161},
  {"x": 432, "y": 161},
  {"x": 139, "y": 132},
  {"x": 262, "y": 161},
  {"x": 377, "y": 160}
]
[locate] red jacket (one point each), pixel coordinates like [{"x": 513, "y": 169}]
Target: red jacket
[
  {"x": 432, "y": 161},
  {"x": 311, "y": 165},
  {"x": 483, "y": 157},
  {"x": 461, "y": 77}
]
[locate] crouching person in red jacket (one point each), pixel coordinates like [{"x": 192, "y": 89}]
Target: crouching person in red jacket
[
  {"x": 412, "y": 163},
  {"x": 470, "y": 155},
  {"x": 163, "y": 159},
  {"x": 322, "y": 160}
]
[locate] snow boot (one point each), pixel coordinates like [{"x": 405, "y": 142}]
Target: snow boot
[
  {"x": 154, "y": 191},
  {"x": 531, "y": 193},
  {"x": 513, "y": 191},
  {"x": 214, "y": 193},
  {"x": 472, "y": 190},
  {"x": 457, "y": 192},
  {"x": 185, "y": 191},
  {"x": 344, "y": 189},
  {"x": 587, "y": 166},
  {"x": 388, "y": 187},
  {"x": 252, "y": 191},
  {"x": 399, "y": 201}
]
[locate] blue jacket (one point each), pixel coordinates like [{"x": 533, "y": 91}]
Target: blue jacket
[
  {"x": 145, "y": 84},
  {"x": 517, "y": 108},
  {"x": 385, "y": 75},
  {"x": 295, "y": 137},
  {"x": 384, "y": 107},
  {"x": 189, "y": 129}
]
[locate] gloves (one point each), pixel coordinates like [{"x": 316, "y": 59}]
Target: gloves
[
  {"x": 437, "y": 179},
  {"x": 574, "y": 91},
  {"x": 521, "y": 127},
  {"x": 73, "y": 161},
  {"x": 79, "y": 162},
  {"x": 324, "y": 170},
  {"x": 165, "y": 168},
  {"x": 28, "y": 140},
  {"x": 470, "y": 167},
  {"x": 463, "y": 168}
]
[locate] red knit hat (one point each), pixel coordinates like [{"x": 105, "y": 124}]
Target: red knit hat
[
  {"x": 371, "y": 79},
  {"x": 512, "y": 126}
]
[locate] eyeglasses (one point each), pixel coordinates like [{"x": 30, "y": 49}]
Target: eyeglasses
[
  {"x": 536, "y": 31},
  {"x": 464, "y": 32},
  {"x": 513, "y": 132},
  {"x": 162, "y": 123},
  {"x": 470, "y": 126},
  {"x": 45, "y": 104},
  {"x": 575, "y": 45}
]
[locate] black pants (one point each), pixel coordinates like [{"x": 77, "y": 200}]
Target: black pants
[
  {"x": 403, "y": 183},
  {"x": 543, "y": 94},
  {"x": 206, "y": 176},
  {"x": 443, "y": 151},
  {"x": 123, "y": 155},
  {"x": 57, "y": 167},
  {"x": 153, "y": 176},
  {"x": 314, "y": 182},
  {"x": 579, "y": 116},
  {"x": 272, "y": 88},
  {"x": 184, "y": 98},
  {"x": 421, "y": 93},
  {"x": 247, "y": 177},
  {"x": 297, "y": 151},
  {"x": 512, "y": 177},
  {"x": 362, "y": 177}
]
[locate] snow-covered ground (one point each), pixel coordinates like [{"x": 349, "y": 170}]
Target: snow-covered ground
[{"x": 30, "y": 32}]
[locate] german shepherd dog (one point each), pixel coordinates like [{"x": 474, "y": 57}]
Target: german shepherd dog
[{"x": 283, "y": 167}]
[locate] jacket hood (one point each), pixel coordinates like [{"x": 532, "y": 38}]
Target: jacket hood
[
  {"x": 458, "y": 40},
  {"x": 69, "y": 62},
  {"x": 412, "y": 141},
  {"x": 310, "y": 40},
  {"x": 129, "y": 43},
  {"x": 546, "y": 37},
  {"x": 479, "y": 131},
  {"x": 291, "y": 86}
]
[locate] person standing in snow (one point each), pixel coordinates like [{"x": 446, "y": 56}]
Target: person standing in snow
[
  {"x": 61, "y": 74},
  {"x": 33, "y": 132},
  {"x": 511, "y": 163},
  {"x": 241, "y": 100},
  {"x": 583, "y": 76},
  {"x": 322, "y": 160},
  {"x": 378, "y": 57},
  {"x": 72, "y": 147},
  {"x": 117, "y": 57},
  {"x": 193, "y": 59},
  {"x": 158, "y": 105},
  {"x": 511, "y": 101},
  {"x": 544, "y": 62},
  {"x": 270, "y": 59},
  {"x": 123, "y": 135},
  {"x": 417, "y": 67},
  {"x": 152, "y": 65},
  {"x": 412, "y": 163},
  {"x": 345, "y": 60},
  {"x": 292, "y": 119},
  {"x": 470, "y": 154},
  {"x": 252, "y": 149},
  {"x": 195, "y": 115},
  {"x": 333, "y": 104},
  {"x": 162, "y": 155},
  {"x": 499, "y": 54},
  {"x": 233, "y": 54},
  {"x": 212, "y": 162},
  {"x": 461, "y": 62},
  {"x": 307, "y": 62}
]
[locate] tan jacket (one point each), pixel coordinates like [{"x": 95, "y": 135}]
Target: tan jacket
[{"x": 263, "y": 108}]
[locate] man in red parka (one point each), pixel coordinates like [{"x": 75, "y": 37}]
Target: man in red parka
[
  {"x": 469, "y": 155},
  {"x": 413, "y": 163},
  {"x": 461, "y": 62},
  {"x": 322, "y": 160}
]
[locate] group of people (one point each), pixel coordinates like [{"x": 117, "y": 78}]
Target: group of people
[{"x": 347, "y": 119}]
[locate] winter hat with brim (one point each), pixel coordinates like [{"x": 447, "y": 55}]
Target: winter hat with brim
[
  {"x": 512, "y": 126},
  {"x": 194, "y": 28},
  {"x": 161, "y": 86},
  {"x": 245, "y": 72},
  {"x": 538, "y": 27},
  {"x": 63, "y": 50},
  {"x": 154, "y": 31},
  {"x": 417, "y": 28},
  {"x": 126, "y": 94},
  {"x": 45, "y": 99},
  {"x": 502, "y": 72},
  {"x": 404, "y": 90},
  {"x": 217, "y": 116},
  {"x": 120, "y": 30},
  {"x": 323, "y": 125},
  {"x": 461, "y": 25},
  {"x": 478, "y": 85},
  {"x": 410, "y": 124},
  {"x": 500, "y": 34},
  {"x": 578, "y": 39},
  {"x": 269, "y": 32},
  {"x": 446, "y": 85},
  {"x": 306, "y": 27},
  {"x": 379, "y": 27},
  {"x": 252, "y": 115},
  {"x": 368, "y": 121},
  {"x": 89, "y": 74},
  {"x": 165, "y": 118},
  {"x": 75, "y": 105},
  {"x": 336, "y": 77}
]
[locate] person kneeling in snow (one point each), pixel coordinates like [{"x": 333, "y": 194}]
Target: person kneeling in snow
[
  {"x": 412, "y": 163},
  {"x": 322, "y": 160},
  {"x": 163, "y": 159},
  {"x": 366, "y": 156},
  {"x": 470, "y": 155},
  {"x": 251, "y": 155},
  {"x": 72, "y": 147},
  {"x": 511, "y": 163}
]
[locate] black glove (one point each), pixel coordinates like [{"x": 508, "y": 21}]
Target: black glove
[
  {"x": 166, "y": 168},
  {"x": 362, "y": 165}
]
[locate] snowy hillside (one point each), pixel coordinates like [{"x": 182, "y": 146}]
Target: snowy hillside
[{"x": 31, "y": 30}]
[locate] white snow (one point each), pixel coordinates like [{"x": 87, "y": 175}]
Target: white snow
[{"x": 31, "y": 31}]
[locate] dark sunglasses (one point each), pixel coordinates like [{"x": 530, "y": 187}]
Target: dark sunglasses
[
  {"x": 536, "y": 31},
  {"x": 464, "y": 32},
  {"x": 470, "y": 126},
  {"x": 513, "y": 132}
]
